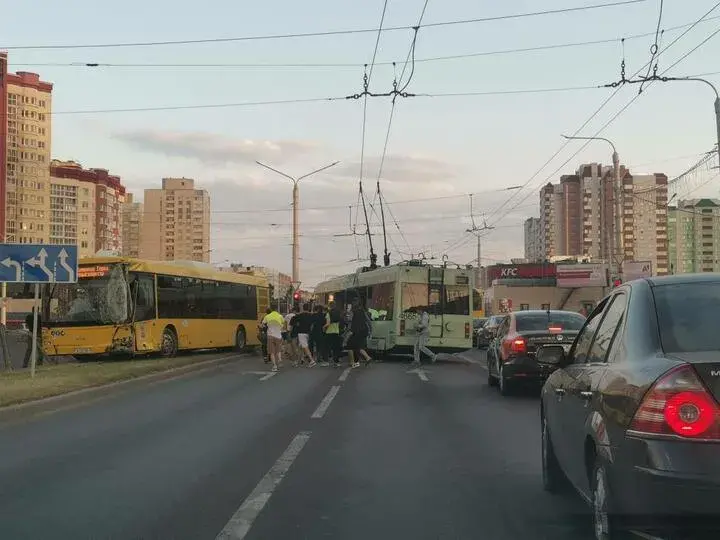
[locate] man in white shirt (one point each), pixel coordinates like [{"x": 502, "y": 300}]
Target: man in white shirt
[{"x": 423, "y": 336}]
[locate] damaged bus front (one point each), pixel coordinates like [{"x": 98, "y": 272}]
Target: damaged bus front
[{"x": 91, "y": 317}]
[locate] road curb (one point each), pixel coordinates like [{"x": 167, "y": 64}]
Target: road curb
[{"x": 78, "y": 397}]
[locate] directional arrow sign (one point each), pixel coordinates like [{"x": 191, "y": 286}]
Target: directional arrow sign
[
  {"x": 420, "y": 373},
  {"x": 38, "y": 263},
  {"x": 9, "y": 263}
]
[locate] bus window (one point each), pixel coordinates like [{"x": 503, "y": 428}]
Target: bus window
[
  {"x": 457, "y": 300},
  {"x": 414, "y": 296},
  {"x": 383, "y": 298}
]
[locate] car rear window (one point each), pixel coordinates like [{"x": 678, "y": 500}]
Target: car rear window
[
  {"x": 687, "y": 316},
  {"x": 543, "y": 321}
]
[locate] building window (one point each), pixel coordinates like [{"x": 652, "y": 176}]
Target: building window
[
  {"x": 545, "y": 307},
  {"x": 524, "y": 307}
]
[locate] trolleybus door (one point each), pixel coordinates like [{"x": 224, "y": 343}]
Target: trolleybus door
[{"x": 435, "y": 301}]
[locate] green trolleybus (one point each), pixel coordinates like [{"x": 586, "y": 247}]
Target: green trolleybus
[{"x": 394, "y": 294}]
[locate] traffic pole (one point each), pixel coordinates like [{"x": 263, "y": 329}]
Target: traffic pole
[{"x": 33, "y": 352}]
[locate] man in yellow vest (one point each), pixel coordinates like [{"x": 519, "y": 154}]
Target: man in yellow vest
[{"x": 274, "y": 323}]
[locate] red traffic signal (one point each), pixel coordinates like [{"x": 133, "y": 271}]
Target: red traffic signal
[
  {"x": 617, "y": 283},
  {"x": 296, "y": 296}
]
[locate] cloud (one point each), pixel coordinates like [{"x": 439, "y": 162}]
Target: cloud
[
  {"x": 214, "y": 149},
  {"x": 427, "y": 207},
  {"x": 403, "y": 169}
]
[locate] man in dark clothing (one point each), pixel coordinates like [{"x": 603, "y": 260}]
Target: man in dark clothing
[
  {"x": 263, "y": 335},
  {"x": 317, "y": 336},
  {"x": 302, "y": 324},
  {"x": 360, "y": 327},
  {"x": 29, "y": 322},
  {"x": 333, "y": 333}
]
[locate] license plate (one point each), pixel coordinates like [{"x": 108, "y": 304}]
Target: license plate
[{"x": 82, "y": 350}]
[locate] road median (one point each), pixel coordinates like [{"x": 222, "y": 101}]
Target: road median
[{"x": 54, "y": 385}]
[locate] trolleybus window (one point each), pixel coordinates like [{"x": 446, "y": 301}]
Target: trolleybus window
[
  {"x": 382, "y": 300},
  {"x": 414, "y": 296},
  {"x": 457, "y": 300}
]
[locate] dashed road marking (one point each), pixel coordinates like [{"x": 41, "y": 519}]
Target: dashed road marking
[
  {"x": 344, "y": 375},
  {"x": 420, "y": 373},
  {"x": 242, "y": 520},
  {"x": 325, "y": 403}
]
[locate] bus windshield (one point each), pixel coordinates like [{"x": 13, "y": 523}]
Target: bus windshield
[{"x": 100, "y": 298}]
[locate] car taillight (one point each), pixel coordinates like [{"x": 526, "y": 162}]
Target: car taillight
[
  {"x": 678, "y": 404},
  {"x": 555, "y": 329},
  {"x": 516, "y": 345},
  {"x": 467, "y": 330},
  {"x": 402, "y": 327}
]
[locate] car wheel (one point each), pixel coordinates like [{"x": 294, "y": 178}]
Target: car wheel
[
  {"x": 605, "y": 524},
  {"x": 503, "y": 382},
  {"x": 169, "y": 346},
  {"x": 552, "y": 475}
]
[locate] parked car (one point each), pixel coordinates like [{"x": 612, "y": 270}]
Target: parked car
[
  {"x": 511, "y": 355},
  {"x": 478, "y": 334},
  {"x": 630, "y": 415}
]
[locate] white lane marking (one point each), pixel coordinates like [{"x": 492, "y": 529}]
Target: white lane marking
[
  {"x": 420, "y": 373},
  {"x": 345, "y": 374},
  {"x": 325, "y": 403},
  {"x": 242, "y": 520},
  {"x": 265, "y": 374}
]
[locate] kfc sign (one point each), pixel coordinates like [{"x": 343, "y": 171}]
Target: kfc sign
[{"x": 521, "y": 271}]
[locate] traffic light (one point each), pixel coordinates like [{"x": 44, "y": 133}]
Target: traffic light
[
  {"x": 616, "y": 282},
  {"x": 296, "y": 296}
]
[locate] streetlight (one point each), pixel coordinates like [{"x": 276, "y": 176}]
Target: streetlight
[
  {"x": 296, "y": 225},
  {"x": 619, "y": 248}
]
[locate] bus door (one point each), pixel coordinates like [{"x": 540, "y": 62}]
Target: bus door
[{"x": 436, "y": 277}]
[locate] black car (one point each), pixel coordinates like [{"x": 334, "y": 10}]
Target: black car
[
  {"x": 478, "y": 333},
  {"x": 630, "y": 415},
  {"x": 511, "y": 355}
]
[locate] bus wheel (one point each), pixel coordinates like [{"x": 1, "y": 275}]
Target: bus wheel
[
  {"x": 240, "y": 340},
  {"x": 169, "y": 347}
]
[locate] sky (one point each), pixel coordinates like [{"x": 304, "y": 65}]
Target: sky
[{"x": 440, "y": 148}]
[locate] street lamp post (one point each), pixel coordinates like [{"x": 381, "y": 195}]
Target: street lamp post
[
  {"x": 296, "y": 217},
  {"x": 618, "y": 248}
]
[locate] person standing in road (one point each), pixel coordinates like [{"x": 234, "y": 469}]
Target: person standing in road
[
  {"x": 291, "y": 347},
  {"x": 317, "y": 335},
  {"x": 302, "y": 323},
  {"x": 274, "y": 322},
  {"x": 333, "y": 339},
  {"x": 423, "y": 336},
  {"x": 263, "y": 336},
  {"x": 360, "y": 328}
]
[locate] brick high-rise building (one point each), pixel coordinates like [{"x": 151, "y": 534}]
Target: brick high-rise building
[
  {"x": 97, "y": 195},
  {"x": 132, "y": 215},
  {"x": 26, "y": 102},
  {"x": 176, "y": 222}
]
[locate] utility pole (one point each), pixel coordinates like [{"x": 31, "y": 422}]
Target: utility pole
[
  {"x": 618, "y": 245},
  {"x": 476, "y": 231},
  {"x": 296, "y": 215}
]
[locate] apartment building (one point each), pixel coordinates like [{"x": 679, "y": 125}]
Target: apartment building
[
  {"x": 176, "y": 222},
  {"x": 597, "y": 212},
  {"x": 132, "y": 215},
  {"x": 533, "y": 247},
  {"x": 26, "y": 102},
  {"x": 551, "y": 222},
  {"x": 645, "y": 220},
  {"x": 694, "y": 236},
  {"x": 86, "y": 207}
]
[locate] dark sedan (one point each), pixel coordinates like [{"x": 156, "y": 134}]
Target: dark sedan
[
  {"x": 490, "y": 328},
  {"x": 478, "y": 332},
  {"x": 630, "y": 414},
  {"x": 511, "y": 356}
]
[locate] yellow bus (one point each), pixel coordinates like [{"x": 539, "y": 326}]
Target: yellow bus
[
  {"x": 130, "y": 306},
  {"x": 478, "y": 304}
]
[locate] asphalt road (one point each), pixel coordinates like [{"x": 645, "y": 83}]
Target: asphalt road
[{"x": 376, "y": 452}]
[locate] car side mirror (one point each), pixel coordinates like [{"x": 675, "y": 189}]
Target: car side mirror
[{"x": 551, "y": 355}]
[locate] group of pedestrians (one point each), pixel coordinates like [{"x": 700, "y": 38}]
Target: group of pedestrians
[{"x": 307, "y": 337}]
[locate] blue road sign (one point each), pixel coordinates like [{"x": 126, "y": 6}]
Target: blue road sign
[{"x": 38, "y": 263}]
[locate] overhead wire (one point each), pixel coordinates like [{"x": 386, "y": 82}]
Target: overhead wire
[
  {"x": 323, "y": 33},
  {"x": 593, "y": 115}
]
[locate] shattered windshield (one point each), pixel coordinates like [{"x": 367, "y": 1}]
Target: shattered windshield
[{"x": 100, "y": 298}]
